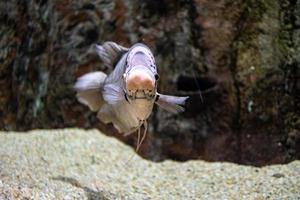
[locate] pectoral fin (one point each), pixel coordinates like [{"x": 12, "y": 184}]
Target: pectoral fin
[
  {"x": 113, "y": 93},
  {"x": 171, "y": 103},
  {"x": 88, "y": 89}
]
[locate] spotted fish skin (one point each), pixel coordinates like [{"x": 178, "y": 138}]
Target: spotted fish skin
[{"x": 127, "y": 95}]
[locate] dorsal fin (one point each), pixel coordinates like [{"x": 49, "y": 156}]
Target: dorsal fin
[{"x": 110, "y": 53}]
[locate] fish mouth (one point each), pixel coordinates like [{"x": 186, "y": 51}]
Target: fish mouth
[
  {"x": 140, "y": 83},
  {"x": 139, "y": 95}
]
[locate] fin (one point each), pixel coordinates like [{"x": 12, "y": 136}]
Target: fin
[
  {"x": 113, "y": 93},
  {"x": 106, "y": 115},
  {"x": 88, "y": 89},
  {"x": 110, "y": 53},
  {"x": 132, "y": 130},
  {"x": 116, "y": 76},
  {"x": 171, "y": 103}
]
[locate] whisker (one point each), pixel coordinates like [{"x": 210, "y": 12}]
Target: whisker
[
  {"x": 197, "y": 84},
  {"x": 138, "y": 140},
  {"x": 144, "y": 134},
  {"x": 131, "y": 157}
]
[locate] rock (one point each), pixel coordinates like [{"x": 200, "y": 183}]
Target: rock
[
  {"x": 79, "y": 164},
  {"x": 242, "y": 55}
]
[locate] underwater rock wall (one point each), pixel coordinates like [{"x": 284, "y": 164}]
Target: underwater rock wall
[{"x": 243, "y": 55}]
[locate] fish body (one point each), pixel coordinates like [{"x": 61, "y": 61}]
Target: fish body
[{"x": 127, "y": 95}]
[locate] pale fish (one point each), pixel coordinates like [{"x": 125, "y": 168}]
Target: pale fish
[{"x": 127, "y": 95}]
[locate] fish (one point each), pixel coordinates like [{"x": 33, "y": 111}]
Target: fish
[{"x": 127, "y": 95}]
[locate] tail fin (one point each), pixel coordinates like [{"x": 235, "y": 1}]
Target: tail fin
[
  {"x": 171, "y": 103},
  {"x": 88, "y": 89},
  {"x": 110, "y": 53}
]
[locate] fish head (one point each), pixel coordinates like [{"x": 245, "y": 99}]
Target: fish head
[
  {"x": 140, "y": 88},
  {"x": 140, "y": 83}
]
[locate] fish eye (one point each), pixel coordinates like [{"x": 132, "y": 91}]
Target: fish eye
[{"x": 156, "y": 76}]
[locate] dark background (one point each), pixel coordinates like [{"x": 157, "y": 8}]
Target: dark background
[{"x": 243, "y": 55}]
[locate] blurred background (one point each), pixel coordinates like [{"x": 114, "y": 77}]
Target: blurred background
[{"x": 242, "y": 56}]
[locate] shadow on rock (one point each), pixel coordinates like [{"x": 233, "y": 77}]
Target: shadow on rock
[{"x": 91, "y": 194}]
